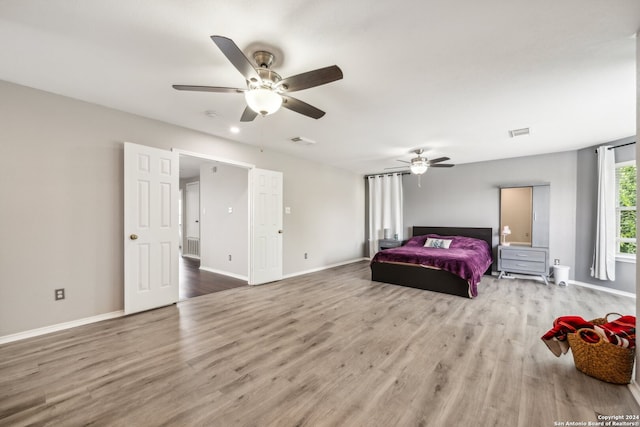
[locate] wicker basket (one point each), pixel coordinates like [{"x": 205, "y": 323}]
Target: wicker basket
[{"x": 602, "y": 360}]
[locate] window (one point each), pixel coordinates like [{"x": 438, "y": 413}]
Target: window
[{"x": 626, "y": 210}]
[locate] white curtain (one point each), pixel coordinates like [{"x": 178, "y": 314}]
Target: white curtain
[
  {"x": 385, "y": 209},
  {"x": 604, "y": 255}
]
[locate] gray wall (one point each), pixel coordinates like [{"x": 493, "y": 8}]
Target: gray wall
[
  {"x": 61, "y": 222},
  {"x": 586, "y": 206},
  {"x": 468, "y": 196},
  {"x": 224, "y": 234}
]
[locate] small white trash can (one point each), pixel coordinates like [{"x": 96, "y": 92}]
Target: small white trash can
[{"x": 561, "y": 275}]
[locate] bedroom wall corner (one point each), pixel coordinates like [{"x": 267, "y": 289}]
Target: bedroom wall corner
[{"x": 586, "y": 205}]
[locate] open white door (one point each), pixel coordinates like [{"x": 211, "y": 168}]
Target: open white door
[
  {"x": 151, "y": 255},
  {"x": 266, "y": 229},
  {"x": 192, "y": 220}
]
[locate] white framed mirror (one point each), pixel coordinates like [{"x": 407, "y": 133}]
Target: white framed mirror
[{"x": 516, "y": 213}]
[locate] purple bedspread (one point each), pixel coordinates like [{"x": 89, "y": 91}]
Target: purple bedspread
[{"x": 466, "y": 257}]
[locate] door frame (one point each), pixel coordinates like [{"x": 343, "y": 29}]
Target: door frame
[{"x": 249, "y": 167}]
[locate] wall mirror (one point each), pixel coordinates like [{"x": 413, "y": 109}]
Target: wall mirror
[{"x": 516, "y": 213}]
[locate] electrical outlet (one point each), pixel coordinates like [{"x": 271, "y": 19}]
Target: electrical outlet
[
  {"x": 59, "y": 294},
  {"x": 305, "y": 255},
  {"x": 229, "y": 257}
]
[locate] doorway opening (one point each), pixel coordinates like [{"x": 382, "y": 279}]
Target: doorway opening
[
  {"x": 240, "y": 229},
  {"x": 194, "y": 282},
  {"x": 214, "y": 227}
]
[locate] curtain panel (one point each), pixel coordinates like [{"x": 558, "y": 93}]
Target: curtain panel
[
  {"x": 604, "y": 254},
  {"x": 385, "y": 209}
]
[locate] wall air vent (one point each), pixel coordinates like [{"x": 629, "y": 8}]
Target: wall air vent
[
  {"x": 518, "y": 132},
  {"x": 301, "y": 140}
]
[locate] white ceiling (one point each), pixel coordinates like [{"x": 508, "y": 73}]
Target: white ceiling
[{"x": 450, "y": 76}]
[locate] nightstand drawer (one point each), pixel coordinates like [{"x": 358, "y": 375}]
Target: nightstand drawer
[
  {"x": 388, "y": 243},
  {"x": 515, "y": 266},
  {"x": 523, "y": 255}
]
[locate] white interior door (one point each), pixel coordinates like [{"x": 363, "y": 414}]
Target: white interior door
[
  {"x": 193, "y": 210},
  {"x": 151, "y": 232},
  {"x": 266, "y": 226}
]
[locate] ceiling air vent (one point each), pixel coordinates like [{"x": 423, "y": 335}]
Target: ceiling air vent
[
  {"x": 301, "y": 140},
  {"x": 518, "y": 132}
]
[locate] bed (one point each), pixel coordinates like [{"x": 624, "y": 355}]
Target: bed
[{"x": 389, "y": 266}]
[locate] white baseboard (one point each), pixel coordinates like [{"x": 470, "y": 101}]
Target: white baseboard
[
  {"x": 571, "y": 282},
  {"x": 325, "y": 267},
  {"x": 602, "y": 289},
  {"x": 225, "y": 273},
  {"x": 59, "y": 327},
  {"x": 190, "y": 256}
]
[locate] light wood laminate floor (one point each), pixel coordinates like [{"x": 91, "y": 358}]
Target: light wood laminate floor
[
  {"x": 195, "y": 282},
  {"x": 327, "y": 349}
]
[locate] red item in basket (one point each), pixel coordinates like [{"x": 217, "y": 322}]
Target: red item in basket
[
  {"x": 621, "y": 332},
  {"x": 556, "y": 337},
  {"x": 566, "y": 325}
]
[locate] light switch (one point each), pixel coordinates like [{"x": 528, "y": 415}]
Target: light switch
[
  {"x": 230, "y": 209},
  {"x": 287, "y": 210}
]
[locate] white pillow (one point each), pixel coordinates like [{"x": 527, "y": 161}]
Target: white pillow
[{"x": 437, "y": 243}]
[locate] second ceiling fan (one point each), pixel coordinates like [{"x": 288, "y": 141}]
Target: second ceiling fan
[
  {"x": 266, "y": 91},
  {"x": 419, "y": 164}
]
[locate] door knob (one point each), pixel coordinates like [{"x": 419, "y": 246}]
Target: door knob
[{"x": 133, "y": 237}]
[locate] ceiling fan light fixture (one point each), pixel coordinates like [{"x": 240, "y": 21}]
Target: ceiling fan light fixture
[
  {"x": 263, "y": 101},
  {"x": 418, "y": 166}
]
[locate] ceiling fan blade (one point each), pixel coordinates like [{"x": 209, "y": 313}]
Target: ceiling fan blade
[
  {"x": 236, "y": 57},
  {"x": 209, "y": 89},
  {"x": 310, "y": 79},
  {"x": 438, "y": 160},
  {"x": 248, "y": 115},
  {"x": 301, "y": 107},
  {"x": 442, "y": 165},
  {"x": 396, "y": 167},
  {"x": 403, "y": 161}
]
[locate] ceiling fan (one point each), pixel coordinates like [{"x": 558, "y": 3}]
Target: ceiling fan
[
  {"x": 266, "y": 91},
  {"x": 419, "y": 164}
]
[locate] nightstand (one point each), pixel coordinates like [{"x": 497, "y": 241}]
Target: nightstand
[
  {"x": 388, "y": 243},
  {"x": 523, "y": 260}
]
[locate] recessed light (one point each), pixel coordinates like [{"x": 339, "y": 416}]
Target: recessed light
[
  {"x": 518, "y": 132},
  {"x": 301, "y": 140},
  {"x": 234, "y": 129}
]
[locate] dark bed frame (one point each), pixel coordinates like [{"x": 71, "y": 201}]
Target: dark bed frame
[{"x": 428, "y": 278}]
